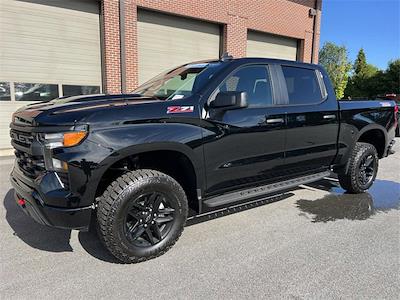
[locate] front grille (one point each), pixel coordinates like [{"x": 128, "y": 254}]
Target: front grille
[
  {"x": 29, "y": 158},
  {"x": 31, "y": 166},
  {"x": 23, "y": 139}
]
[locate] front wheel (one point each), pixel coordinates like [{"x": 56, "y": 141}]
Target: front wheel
[
  {"x": 362, "y": 169},
  {"x": 141, "y": 215}
]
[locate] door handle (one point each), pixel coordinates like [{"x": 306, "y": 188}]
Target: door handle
[
  {"x": 275, "y": 121},
  {"x": 329, "y": 117}
]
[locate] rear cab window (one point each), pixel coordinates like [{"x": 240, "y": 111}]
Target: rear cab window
[{"x": 303, "y": 85}]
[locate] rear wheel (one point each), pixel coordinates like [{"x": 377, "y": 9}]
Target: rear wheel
[
  {"x": 362, "y": 169},
  {"x": 141, "y": 215}
]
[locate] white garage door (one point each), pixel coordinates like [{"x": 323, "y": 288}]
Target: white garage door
[
  {"x": 271, "y": 46},
  {"x": 48, "y": 48},
  {"x": 166, "y": 41}
]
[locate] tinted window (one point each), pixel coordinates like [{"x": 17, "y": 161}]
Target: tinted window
[
  {"x": 254, "y": 80},
  {"x": 35, "y": 91},
  {"x": 73, "y": 90},
  {"x": 302, "y": 85},
  {"x": 5, "y": 91}
]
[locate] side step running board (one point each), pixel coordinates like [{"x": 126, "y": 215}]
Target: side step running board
[{"x": 263, "y": 190}]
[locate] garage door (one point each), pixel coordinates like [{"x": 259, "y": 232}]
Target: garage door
[
  {"x": 267, "y": 45},
  {"x": 166, "y": 41},
  {"x": 49, "y": 48}
]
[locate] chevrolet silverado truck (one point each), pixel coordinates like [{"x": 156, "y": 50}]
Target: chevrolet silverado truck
[{"x": 202, "y": 137}]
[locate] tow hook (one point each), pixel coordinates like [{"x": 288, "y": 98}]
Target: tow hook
[{"x": 21, "y": 202}]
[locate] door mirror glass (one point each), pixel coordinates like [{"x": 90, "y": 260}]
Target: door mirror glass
[{"x": 230, "y": 100}]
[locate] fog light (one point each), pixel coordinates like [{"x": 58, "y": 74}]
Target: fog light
[{"x": 60, "y": 165}]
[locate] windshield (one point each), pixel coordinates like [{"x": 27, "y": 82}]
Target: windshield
[{"x": 179, "y": 83}]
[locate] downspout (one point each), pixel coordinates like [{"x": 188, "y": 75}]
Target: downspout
[
  {"x": 314, "y": 30},
  {"x": 122, "y": 44}
]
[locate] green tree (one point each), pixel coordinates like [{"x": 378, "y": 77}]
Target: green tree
[
  {"x": 392, "y": 77},
  {"x": 335, "y": 61},
  {"x": 373, "y": 82},
  {"x": 362, "y": 81},
  {"x": 361, "y": 62}
]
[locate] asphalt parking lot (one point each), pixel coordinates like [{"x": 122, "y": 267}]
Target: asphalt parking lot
[{"x": 315, "y": 242}]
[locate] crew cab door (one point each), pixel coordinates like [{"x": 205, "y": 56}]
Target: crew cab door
[
  {"x": 244, "y": 146},
  {"x": 312, "y": 120}
]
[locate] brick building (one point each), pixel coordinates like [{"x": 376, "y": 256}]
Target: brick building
[{"x": 53, "y": 48}]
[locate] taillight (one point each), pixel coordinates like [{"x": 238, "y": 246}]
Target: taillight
[{"x": 396, "y": 111}]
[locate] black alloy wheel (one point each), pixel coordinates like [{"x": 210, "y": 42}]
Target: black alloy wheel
[
  {"x": 141, "y": 215},
  {"x": 367, "y": 170},
  {"x": 148, "y": 219}
]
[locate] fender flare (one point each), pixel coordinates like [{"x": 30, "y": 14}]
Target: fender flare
[
  {"x": 365, "y": 129},
  {"x": 188, "y": 152},
  {"x": 369, "y": 128}
]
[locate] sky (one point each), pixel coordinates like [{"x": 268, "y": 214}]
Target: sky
[{"x": 370, "y": 24}]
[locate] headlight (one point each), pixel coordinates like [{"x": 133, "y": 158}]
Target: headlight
[{"x": 63, "y": 139}]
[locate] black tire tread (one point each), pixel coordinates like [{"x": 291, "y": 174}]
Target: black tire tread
[
  {"x": 108, "y": 203},
  {"x": 348, "y": 180}
]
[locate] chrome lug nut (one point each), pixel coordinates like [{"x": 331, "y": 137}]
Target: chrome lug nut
[{"x": 145, "y": 225}]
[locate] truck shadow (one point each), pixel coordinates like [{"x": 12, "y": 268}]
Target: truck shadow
[
  {"x": 35, "y": 235},
  {"x": 50, "y": 239},
  {"x": 58, "y": 240},
  {"x": 91, "y": 243},
  {"x": 383, "y": 196}
]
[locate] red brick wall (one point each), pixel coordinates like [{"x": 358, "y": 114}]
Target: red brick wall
[
  {"x": 131, "y": 45},
  {"x": 282, "y": 17},
  {"x": 111, "y": 46}
]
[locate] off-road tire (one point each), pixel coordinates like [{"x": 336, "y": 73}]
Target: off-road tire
[
  {"x": 349, "y": 180},
  {"x": 119, "y": 194}
]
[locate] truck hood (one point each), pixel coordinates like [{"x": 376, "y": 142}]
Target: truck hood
[{"x": 69, "y": 110}]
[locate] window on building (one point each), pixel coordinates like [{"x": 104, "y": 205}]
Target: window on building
[
  {"x": 302, "y": 85},
  {"x": 5, "y": 94},
  {"x": 254, "y": 80},
  {"x": 74, "y": 90},
  {"x": 35, "y": 91}
]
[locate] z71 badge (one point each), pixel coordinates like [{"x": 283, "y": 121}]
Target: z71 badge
[{"x": 179, "y": 109}]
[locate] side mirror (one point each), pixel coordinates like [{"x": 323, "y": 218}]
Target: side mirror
[{"x": 229, "y": 100}]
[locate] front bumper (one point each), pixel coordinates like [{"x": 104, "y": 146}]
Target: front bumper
[{"x": 44, "y": 190}]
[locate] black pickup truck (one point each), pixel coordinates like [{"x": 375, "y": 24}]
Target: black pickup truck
[{"x": 202, "y": 137}]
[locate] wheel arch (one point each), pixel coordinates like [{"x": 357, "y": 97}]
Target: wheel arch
[
  {"x": 375, "y": 135},
  {"x": 175, "y": 159}
]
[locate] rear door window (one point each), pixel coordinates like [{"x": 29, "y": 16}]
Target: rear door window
[{"x": 302, "y": 85}]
